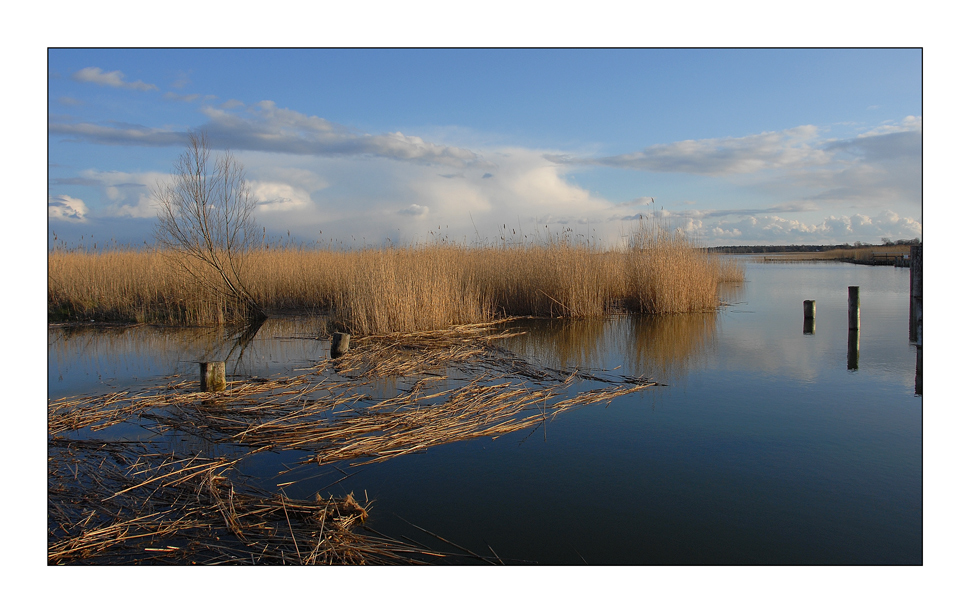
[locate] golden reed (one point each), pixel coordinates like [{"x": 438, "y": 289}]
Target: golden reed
[{"x": 399, "y": 289}]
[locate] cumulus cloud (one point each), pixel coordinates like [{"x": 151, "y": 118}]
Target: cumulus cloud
[
  {"x": 123, "y": 194},
  {"x": 415, "y": 210},
  {"x": 66, "y": 208},
  {"x": 271, "y": 197},
  {"x": 115, "y": 78}
]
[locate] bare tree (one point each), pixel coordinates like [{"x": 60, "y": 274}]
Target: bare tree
[{"x": 205, "y": 216}]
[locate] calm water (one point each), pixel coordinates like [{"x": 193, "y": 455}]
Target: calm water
[{"x": 764, "y": 448}]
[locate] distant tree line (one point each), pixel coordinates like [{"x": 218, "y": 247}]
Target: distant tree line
[{"x": 807, "y": 248}]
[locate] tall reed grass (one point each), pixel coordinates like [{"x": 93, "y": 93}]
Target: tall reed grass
[{"x": 400, "y": 289}]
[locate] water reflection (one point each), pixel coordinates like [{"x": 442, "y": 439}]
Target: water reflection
[
  {"x": 86, "y": 359},
  {"x": 853, "y": 352},
  {"x": 661, "y": 348},
  {"x": 665, "y": 347},
  {"x": 919, "y": 371}
]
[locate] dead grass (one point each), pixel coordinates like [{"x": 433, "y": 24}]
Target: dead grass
[
  {"x": 121, "y": 503},
  {"x": 402, "y": 289}
]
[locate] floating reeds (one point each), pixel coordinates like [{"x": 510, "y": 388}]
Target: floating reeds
[
  {"x": 128, "y": 502},
  {"x": 115, "y": 503}
]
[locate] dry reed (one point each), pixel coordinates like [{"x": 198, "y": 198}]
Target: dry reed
[
  {"x": 401, "y": 289},
  {"x": 122, "y": 503}
]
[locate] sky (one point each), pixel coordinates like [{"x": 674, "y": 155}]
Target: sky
[{"x": 359, "y": 147}]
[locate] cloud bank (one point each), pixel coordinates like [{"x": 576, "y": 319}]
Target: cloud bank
[
  {"x": 314, "y": 176},
  {"x": 264, "y": 127}
]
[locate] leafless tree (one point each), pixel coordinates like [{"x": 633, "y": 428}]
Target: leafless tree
[{"x": 206, "y": 217}]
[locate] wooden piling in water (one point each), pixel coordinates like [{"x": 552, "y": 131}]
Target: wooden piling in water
[
  {"x": 809, "y": 307},
  {"x": 854, "y": 308},
  {"x": 212, "y": 376},
  {"x": 339, "y": 345},
  {"x": 916, "y": 294}
]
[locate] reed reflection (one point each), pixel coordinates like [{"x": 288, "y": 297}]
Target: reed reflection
[
  {"x": 664, "y": 348},
  {"x": 658, "y": 347},
  {"x": 124, "y": 355},
  {"x": 567, "y": 343}
]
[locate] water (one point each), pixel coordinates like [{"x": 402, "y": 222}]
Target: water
[{"x": 766, "y": 446}]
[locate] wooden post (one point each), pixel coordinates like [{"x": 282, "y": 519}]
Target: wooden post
[
  {"x": 339, "y": 345},
  {"x": 212, "y": 376},
  {"x": 808, "y": 326},
  {"x": 809, "y": 307},
  {"x": 854, "y": 308},
  {"x": 916, "y": 294}
]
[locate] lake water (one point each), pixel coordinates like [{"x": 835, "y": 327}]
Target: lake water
[{"x": 768, "y": 445}]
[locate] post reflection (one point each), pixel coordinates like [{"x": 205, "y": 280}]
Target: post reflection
[
  {"x": 853, "y": 353},
  {"x": 919, "y": 370}
]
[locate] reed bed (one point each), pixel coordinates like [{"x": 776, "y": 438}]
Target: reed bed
[
  {"x": 130, "y": 501},
  {"x": 400, "y": 289}
]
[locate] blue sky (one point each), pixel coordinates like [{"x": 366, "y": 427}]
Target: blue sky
[{"x": 733, "y": 146}]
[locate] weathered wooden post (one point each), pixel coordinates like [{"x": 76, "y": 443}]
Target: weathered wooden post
[
  {"x": 916, "y": 294},
  {"x": 808, "y": 326},
  {"x": 212, "y": 376},
  {"x": 854, "y": 308},
  {"x": 339, "y": 345}
]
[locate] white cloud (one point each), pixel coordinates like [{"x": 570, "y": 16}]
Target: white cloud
[
  {"x": 910, "y": 123},
  {"x": 272, "y": 197},
  {"x": 415, "y": 210},
  {"x": 115, "y": 78},
  {"x": 124, "y": 194},
  {"x": 775, "y": 229},
  {"x": 66, "y": 208}
]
